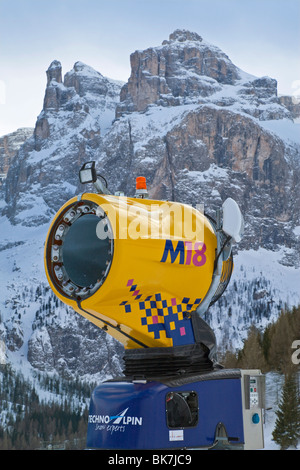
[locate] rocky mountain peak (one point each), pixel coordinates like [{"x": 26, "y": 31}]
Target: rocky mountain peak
[
  {"x": 85, "y": 79},
  {"x": 55, "y": 95},
  {"x": 186, "y": 69},
  {"x": 81, "y": 67},
  {"x": 183, "y": 35},
  {"x": 54, "y": 72},
  {"x": 182, "y": 70}
]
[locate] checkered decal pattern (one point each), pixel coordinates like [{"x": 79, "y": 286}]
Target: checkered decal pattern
[{"x": 165, "y": 318}]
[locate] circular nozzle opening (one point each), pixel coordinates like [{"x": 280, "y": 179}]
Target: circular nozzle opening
[{"x": 78, "y": 260}]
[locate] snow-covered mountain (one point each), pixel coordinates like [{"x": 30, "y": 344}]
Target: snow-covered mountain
[{"x": 200, "y": 130}]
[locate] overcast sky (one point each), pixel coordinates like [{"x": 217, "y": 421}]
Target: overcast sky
[{"x": 261, "y": 37}]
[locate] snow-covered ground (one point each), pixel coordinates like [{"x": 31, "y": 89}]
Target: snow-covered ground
[{"x": 274, "y": 383}]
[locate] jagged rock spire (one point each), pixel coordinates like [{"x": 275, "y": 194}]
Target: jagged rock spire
[{"x": 54, "y": 72}]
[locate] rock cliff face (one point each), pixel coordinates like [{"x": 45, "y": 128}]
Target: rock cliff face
[
  {"x": 9, "y": 146},
  {"x": 74, "y": 348},
  {"x": 209, "y": 155},
  {"x": 200, "y": 130},
  {"x": 292, "y": 103}
]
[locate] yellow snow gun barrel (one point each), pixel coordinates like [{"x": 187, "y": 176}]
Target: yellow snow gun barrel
[{"x": 140, "y": 269}]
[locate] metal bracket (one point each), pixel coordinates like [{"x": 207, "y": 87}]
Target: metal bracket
[
  {"x": 222, "y": 254},
  {"x": 100, "y": 188}
]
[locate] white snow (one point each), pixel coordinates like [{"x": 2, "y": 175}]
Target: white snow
[
  {"x": 212, "y": 173},
  {"x": 285, "y": 280},
  {"x": 286, "y": 129}
]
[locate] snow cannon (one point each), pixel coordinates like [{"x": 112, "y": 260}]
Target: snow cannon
[
  {"x": 143, "y": 270},
  {"x": 146, "y": 271}
]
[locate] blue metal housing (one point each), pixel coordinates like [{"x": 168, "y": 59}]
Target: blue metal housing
[{"x": 128, "y": 414}]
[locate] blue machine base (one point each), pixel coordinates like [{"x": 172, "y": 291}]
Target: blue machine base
[{"x": 167, "y": 413}]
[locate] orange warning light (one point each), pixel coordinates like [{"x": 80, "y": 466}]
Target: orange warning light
[{"x": 141, "y": 182}]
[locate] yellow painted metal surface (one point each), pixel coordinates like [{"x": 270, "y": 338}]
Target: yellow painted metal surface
[{"x": 161, "y": 269}]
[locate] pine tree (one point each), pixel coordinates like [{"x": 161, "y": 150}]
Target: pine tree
[
  {"x": 287, "y": 426},
  {"x": 267, "y": 343},
  {"x": 279, "y": 354},
  {"x": 252, "y": 356}
]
